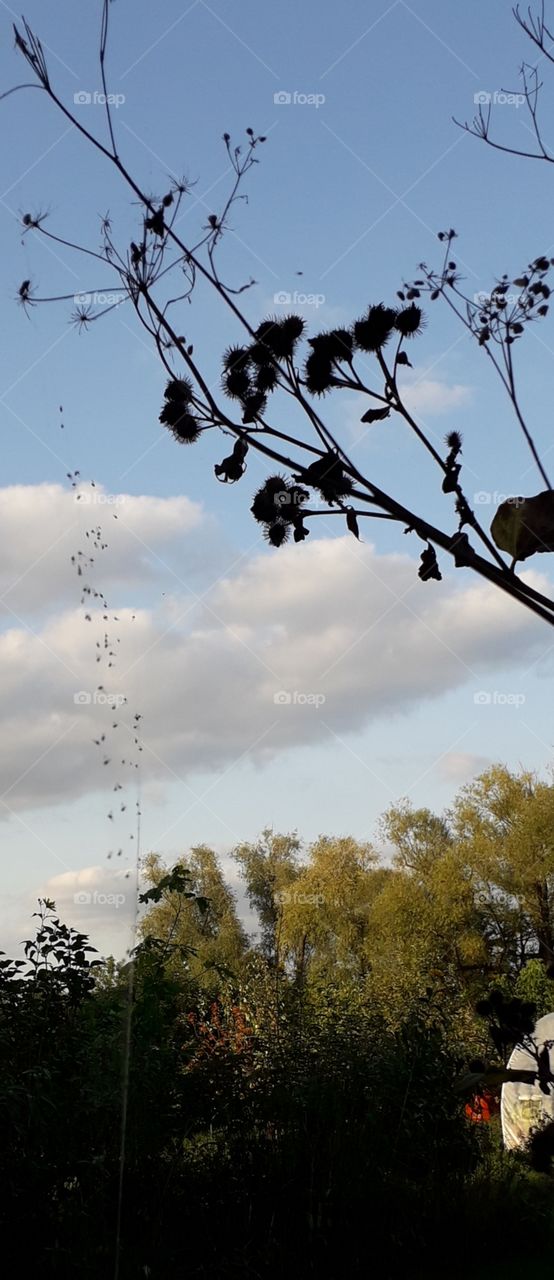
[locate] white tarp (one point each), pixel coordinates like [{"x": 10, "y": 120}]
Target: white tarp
[{"x": 524, "y": 1107}]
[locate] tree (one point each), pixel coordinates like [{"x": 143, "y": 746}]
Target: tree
[
  {"x": 270, "y": 867},
  {"x": 504, "y": 824},
  {"x": 200, "y": 924},
  {"x": 469, "y": 899},
  {"x": 425, "y": 946},
  {"x": 326, "y": 911},
  {"x": 265, "y": 371},
  {"x": 418, "y": 836}
]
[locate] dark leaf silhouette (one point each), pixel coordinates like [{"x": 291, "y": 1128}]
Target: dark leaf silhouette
[
  {"x": 375, "y": 415},
  {"x": 352, "y": 522},
  {"x": 524, "y": 526},
  {"x": 232, "y": 468},
  {"x": 428, "y": 567},
  {"x": 156, "y": 222},
  {"x": 327, "y": 475}
]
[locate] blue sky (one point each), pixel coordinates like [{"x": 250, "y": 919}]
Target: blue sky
[{"x": 350, "y": 193}]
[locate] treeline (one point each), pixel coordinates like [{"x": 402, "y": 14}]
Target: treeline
[
  {"x": 285, "y": 1105},
  {"x": 457, "y": 903}
]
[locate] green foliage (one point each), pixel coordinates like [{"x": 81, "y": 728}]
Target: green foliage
[
  {"x": 192, "y": 920},
  {"x": 535, "y": 983},
  {"x": 283, "y": 1105},
  {"x": 270, "y": 867}
]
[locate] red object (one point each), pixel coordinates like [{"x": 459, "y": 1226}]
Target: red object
[{"x": 482, "y": 1108}]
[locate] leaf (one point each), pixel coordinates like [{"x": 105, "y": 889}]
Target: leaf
[
  {"x": 352, "y": 522},
  {"x": 524, "y": 526},
  {"x": 451, "y": 477},
  {"x": 461, "y": 550},
  {"x": 375, "y": 415},
  {"x": 300, "y": 530},
  {"x": 428, "y": 567},
  {"x": 156, "y": 222}
]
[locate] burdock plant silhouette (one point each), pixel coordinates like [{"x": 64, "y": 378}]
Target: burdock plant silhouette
[{"x": 277, "y": 363}]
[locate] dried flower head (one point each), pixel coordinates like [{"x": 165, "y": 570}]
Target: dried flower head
[
  {"x": 454, "y": 440},
  {"x": 318, "y": 371},
  {"x": 236, "y": 383},
  {"x": 374, "y": 330},
  {"x": 280, "y": 335},
  {"x": 33, "y": 221},
  {"x": 179, "y": 389},
  {"x": 236, "y": 373},
  {"x": 266, "y": 378},
  {"x": 24, "y": 293},
  {"x": 274, "y": 500},
  {"x": 327, "y": 475},
  {"x": 276, "y": 534},
  {"x": 254, "y": 404},
  {"x": 183, "y": 426},
  {"x": 341, "y": 344},
  {"x": 236, "y": 358},
  {"x": 260, "y": 355},
  {"x": 409, "y": 321}
]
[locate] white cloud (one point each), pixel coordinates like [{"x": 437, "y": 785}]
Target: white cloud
[
  {"x": 100, "y": 902},
  {"x": 431, "y": 396},
  {"x": 332, "y": 619},
  {"x": 43, "y": 526},
  {"x": 460, "y": 766}
]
